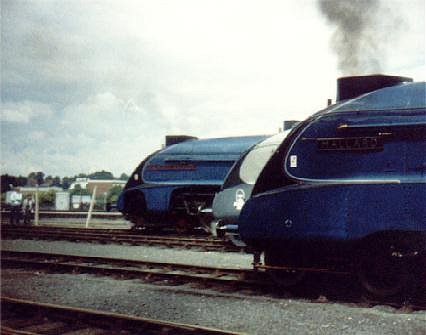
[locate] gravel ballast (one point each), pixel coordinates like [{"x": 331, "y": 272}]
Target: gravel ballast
[
  {"x": 185, "y": 304},
  {"x": 154, "y": 254},
  {"x": 254, "y": 315}
]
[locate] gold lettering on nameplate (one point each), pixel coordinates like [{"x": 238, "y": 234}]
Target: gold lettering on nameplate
[
  {"x": 350, "y": 143},
  {"x": 179, "y": 167}
]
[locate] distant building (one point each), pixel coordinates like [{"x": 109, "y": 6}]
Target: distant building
[
  {"x": 80, "y": 201},
  {"x": 102, "y": 185},
  {"x": 82, "y": 182},
  {"x": 62, "y": 201},
  {"x": 42, "y": 188}
]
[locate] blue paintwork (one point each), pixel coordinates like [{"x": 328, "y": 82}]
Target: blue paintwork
[
  {"x": 333, "y": 212},
  {"x": 347, "y": 195},
  {"x": 389, "y": 163},
  {"x": 120, "y": 203},
  {"x": 193, "y": 163},
  {"x": 212, "y": 158}
]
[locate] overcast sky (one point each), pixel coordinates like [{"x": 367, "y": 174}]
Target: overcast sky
[{"x": 91, "y": 85}]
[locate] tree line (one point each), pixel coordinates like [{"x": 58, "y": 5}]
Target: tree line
[{"x": 39, "y": 178}]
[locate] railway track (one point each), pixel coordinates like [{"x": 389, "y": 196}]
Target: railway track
[
  {"x": 30, "y": 318},
  {"x": 151, "y": 271},
  {"x": 118, "y": 236},
  {"x": 52, "y": 213},
  {"x": 72, "y": 217},
  {"x": 246, "y": 281}
]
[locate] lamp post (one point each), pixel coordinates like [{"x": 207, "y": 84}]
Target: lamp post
[
  {"x": 92, "y": 203},
  {"x": 37, "y": 207},
  {"x": 105, "y": 201}
]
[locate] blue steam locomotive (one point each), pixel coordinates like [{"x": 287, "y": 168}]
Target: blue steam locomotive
[
  {"x": 175, "y": 186},
  {"x": 346, "y": 190}
]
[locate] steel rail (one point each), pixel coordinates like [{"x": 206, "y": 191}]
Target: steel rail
[
  {"x": 127, "y": 232},
  {"x": 71, "y": 213},
  {"x": 134, "y": 268},
  {"x": 29, "y": 318},
  {"x": 116, "y": 236}
]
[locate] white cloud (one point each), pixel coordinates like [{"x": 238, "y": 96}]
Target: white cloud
[
  {"x": 37, "y": 135},
  {"x": 24, "y": 112}
]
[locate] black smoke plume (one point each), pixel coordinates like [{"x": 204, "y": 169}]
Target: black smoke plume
[{"x": 356, "y": 41}]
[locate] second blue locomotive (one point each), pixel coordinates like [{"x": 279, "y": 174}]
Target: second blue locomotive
[{"x": 175, "y": 186}]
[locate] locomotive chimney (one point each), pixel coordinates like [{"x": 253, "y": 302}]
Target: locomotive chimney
[
  {"x": 351, "y": 87},
  {"x": 288, "y": 124},
  {"x": 174, "y": 139}
]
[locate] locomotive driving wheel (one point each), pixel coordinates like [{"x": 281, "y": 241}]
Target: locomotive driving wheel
[
  {"x": 283, "y": 277},
  {"x": 138, "y": 222},
  {"x": 383, "y": 271},
  {"x": 185, "y": 224}
]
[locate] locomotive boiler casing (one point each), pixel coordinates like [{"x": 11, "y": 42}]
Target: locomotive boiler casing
[
  {"x": 180, "y": 179},
  {"x": 351, "y": 174}
]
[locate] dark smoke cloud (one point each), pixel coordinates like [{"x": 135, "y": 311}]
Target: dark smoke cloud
[{"x": 357, "y": 41}]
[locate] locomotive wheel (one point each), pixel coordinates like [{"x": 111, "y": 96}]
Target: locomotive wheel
[
  {"x": 138, "y": 222},
  {"x": 382, "y": 273},
  {"x": 284, "y": 278},
  {"x": 185, "y": 225},
  {"x": 135, "y": 208}
]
